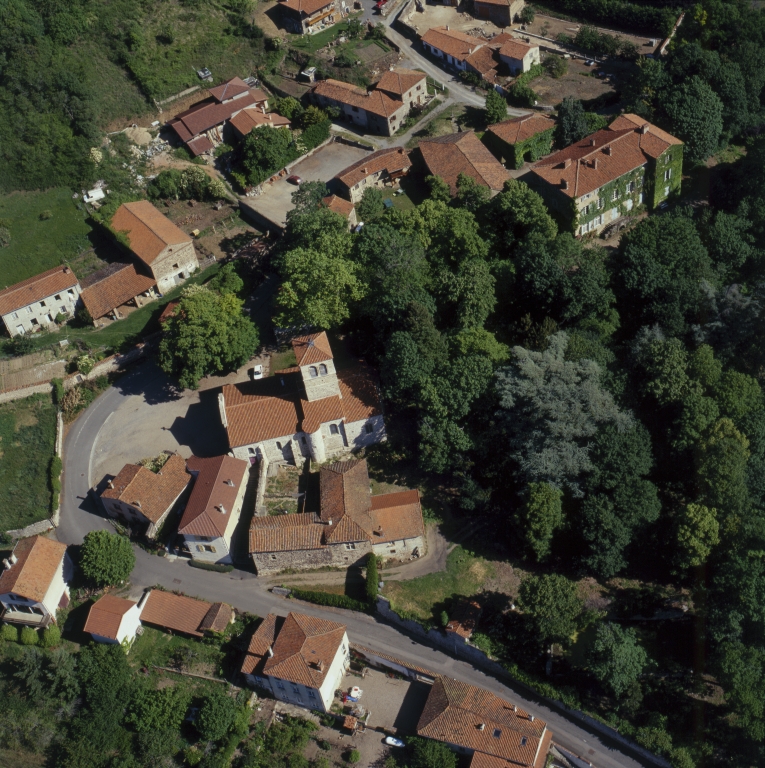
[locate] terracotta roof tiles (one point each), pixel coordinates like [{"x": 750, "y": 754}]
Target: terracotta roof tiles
[
  {"x": 37, "y": 562},
  {"x": 112, "y": 287},
  {"x": 307, "y": 7},
  {"x": 199, "y": 145},
  {"x": 449, "y": 156},
  {"x": 521, "y": 128},
  {"x": 375, "y": 101},
  {"x": 515, "y": 49},
  {"x": 105, "y": 616},
  {"x": 318, "y": 412},
  {"x": 148, "y": 231},
  {"x": 207, "y": 114},
  {"x": 248, "y": 119},
  {"x": 155, "y": 493},
  {"x": 391, "y": 160},
  {"x": 212, "y": 498},
  {"x": 36, "y": 288},
  {"x": 399, "y": 81},
  {"x": 228, "y": 90},
  {"x": 454, "y": 43},
  {"x": 339, "y": 205},
  {"x": 284, "y": 533},
  {"x": 361, "y": 396},
  {"x": 396, "y": 516},
  {"x": 180, "y": 613},
  {"x": 217, "y": 618},
  {"x": 313, "y": 348},
  {"x": 262, "y": 639}
]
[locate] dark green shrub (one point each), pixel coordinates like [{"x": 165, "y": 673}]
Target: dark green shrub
[
  {"x": 51, "y": 636},
  {"x": 353, "y": 756},
  {"x": 9, "y": 633},
  {"x": 29, "y": 636},
  {"x": 373, "y": 578},
  {"x": 315, "y": 134},
  {"x": 327, "y": 598}
]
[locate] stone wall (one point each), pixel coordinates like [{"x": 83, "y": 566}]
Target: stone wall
[
  {"x": 399, "y": 550},
  {"x": 358, "y": 437},
  {"x": 335, "y": 555}
]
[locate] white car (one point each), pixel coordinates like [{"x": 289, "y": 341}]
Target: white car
[
  {"x": 393, "y": 742},
  {"x": 257, "y": 372}
]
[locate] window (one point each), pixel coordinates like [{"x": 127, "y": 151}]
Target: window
[
  {"x": 667, "y": 177},
  {"x": 631, "y": 187},
  {"x": 209, "y": 548},
  {"x": 586, "y": 197},
  {"x": 586, "y": 210},
  {"x": 666, "y": 159},
  {"x": 601, "y": 203},
  {"x": 251, "y": 451},
  {"x": 355, "y": 109},
  {"x": 524, "y": 741},
  {"x": 57, "y": 297},
  {"x": 497, "y": 733},
  {"x": 42, "y": 303},
  {"x": 273, "y": 557},
  {"x": 63, "y": 310},
  {"x": 312, "y": 372},
  {"x": 666, "y": 194},
  {"x": 70, "y": 292},
  {"x": 311, "y": 694},
  {"x": 29, "y": 310},
  {"x": 34, "y": 321},
  {"x": 368, "y": 428},
  {"x": 15, "y": 315},
  {"x": 350, "y": 545},
  {"x": 280, "y": 684},
  {"x": 614, "y": 213},
  {"x": 615, "y": 194},
  {"x": 302, "y": 439},
  {"x": 200, "y": 548},
  {"x": 333, "y": 430},
  {"x": 295, "y": 689},
  {"x": 343, "y": 648},
  {"x": 175, "y": 266},
  {"x": 279, "y": 446},
  {"x": 322, "y": 370},
  {"x": 628, "y": 204}
]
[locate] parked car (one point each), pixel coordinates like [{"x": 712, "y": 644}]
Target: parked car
[
  {"x": 296, "y": 180},
  {"x": 380, "y": 4},
  {"x": 393, "y": 742},
  {"x": 256, "y": 372}
]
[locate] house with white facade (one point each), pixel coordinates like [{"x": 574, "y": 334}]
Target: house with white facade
[
  {"x": 142, "y": 498},
  {"x": 214, "y": 507},
  {"x": 34, "y": 582},
  {"x": 518, "y": 56},
  {"x": 312, "y": 409},
  {"x": 452, "y": 46},
  {"x": 114, "y": 620},
  {"x": 299, "y": 659},
  {"x": 34, "y": 304}
]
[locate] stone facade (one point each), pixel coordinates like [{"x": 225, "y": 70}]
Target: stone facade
[
  {"x": 320, "y": 380},
  {"x": 336, "y": 555},
  {"x": 401, "y": 549},
  {"x": 175, "y": 264}
]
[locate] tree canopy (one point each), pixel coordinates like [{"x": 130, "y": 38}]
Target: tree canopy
[{"x": 106, "y": 559}]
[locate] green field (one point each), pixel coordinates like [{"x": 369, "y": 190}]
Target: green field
[
  {"x": 27, "y": 443},
  {"x": 36, "y": 244}
]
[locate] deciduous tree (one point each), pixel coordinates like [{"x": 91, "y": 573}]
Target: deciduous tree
[
  {"x": 616, "y": 658},
  {"x": 106, "y": 558},
  {"x": 572, "y": 124},
  {"x": 695, "y": 114},
  {"x": 496, "y": 108},
  {"x": 552, "y": 605},
  {"x": 697, "y": 534},
  {"x": 539, "y": 517}
]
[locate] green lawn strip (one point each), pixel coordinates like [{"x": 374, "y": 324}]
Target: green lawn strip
[
  {"x": 125, "y": 332},
  {"x": 158, "y": 648},
  {"x": 27, "y": 444},
  {"x": 423, "y": 599},
  {"x": 282, "y": 360},
  {"x": 40, "y": 244},
  {"x": 313, "y": 43}
]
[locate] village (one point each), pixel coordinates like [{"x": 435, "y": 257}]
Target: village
[{"x": 264, "y": 478}]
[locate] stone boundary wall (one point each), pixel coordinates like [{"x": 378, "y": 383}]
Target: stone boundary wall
[
  {"x": 262, "y": 481},
  {"x": 21, "y": 392},
  {"x": 179, "y": 95},
  {"x": 461, "y": 649}
]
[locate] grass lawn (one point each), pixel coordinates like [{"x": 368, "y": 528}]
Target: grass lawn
[
  {"x": 312, "y": 43},
  {"x": 440, "y": 125},
  {"x": 424, "y": 598},
  {"x": 125, "y": 332},
  {"x": 37, "y": 245},
  {"x": 160, "y": 648},
  {"x": 11, "y": 759},
  {"x": 27, "y": 443},
  {"x": 282, "y": 360}
]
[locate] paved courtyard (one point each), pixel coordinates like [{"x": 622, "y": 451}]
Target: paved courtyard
[{"x": 276, "y": 199}]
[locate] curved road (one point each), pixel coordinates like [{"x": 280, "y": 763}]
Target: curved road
[{"x": 242, "y": 589}]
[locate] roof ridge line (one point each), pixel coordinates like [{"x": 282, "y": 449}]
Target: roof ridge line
[{"x": 149, "y": 226}]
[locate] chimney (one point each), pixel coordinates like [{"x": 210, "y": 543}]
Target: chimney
[
  {"x": 270, "y": 651},
  {"x": 137, "y": 504},
  {"x": 607, "y": 150},
  {"x": 447, "y": 27},
  {"x": 482, "y": 727},
  {"x": 221, "y": 509},
  {"x": 110, "y": 484},
  {"x": 567, "y": 162},
  {"x": 230, "y": 483},
  {"x": 329, "y": 522},
  {"x": 592, "y": 142},
  {"x": 320, "y": 665},
  {"x": 644, "y": 128},
  {"x": 379, "y": 531},
  {"x": 13, "y": 559},
  {"x": 531, "y": 718},
  {"x": 6, "y": 565},
  {"x": 595, "y": 163},
  {"x": 515, "y": 709},
  {"x": 66, "y": 270}
]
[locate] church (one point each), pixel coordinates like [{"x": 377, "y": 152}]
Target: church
[{"x": 310, "y": 410}]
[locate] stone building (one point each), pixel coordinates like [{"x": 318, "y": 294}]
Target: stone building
[
  {"x": 299, "y": 659},
  {"x": 154, "y": 240},
  {"x": 381, "y": 110},
  {"x": 501, "y": 12},
  {"x": 342, "y": 208},
  {"x": 311, "y": 409},
  {"x": 114, "y": 286},
  {"x": 350, "y": 524},
  {"x": 34, "y": 582},
  {"x": 144, "y": 498},
  {"x": 379, "y": 170},
  {"x": 518, "y": 57},
  {"x": 597, "y": 181},
  {"x": 34, "y": 304},
  {"x": 214, "y": 507},
  {"x": 452, "y": 46},
  {"x": 514, "y": 141},
  {"x": 303, "y": 16}
]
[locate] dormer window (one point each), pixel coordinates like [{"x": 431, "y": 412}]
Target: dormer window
[
  {"x": 497, "y": 733},
  {"x": 313, "y": 372},
  {"x": 323, "y": 370}
]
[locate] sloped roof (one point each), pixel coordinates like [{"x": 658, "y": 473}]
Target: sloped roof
[
  {"x": 148, "y": 231},
  {"x": 449, "y": 156},
  {"x": 485, "y": 62},
  {"x": 344, "y": 489},
  {"x": 38, "y": 561},
  {"x": 519, "y": 129},
  {"x": 396, "y": 516},
  {"x": 199, "y": 145},
  {"x": 155, "y": 492},
  {"x": 105, "y": 616},
  {"x": 36, "y": 288},
  {"x": 217, "y": 618},
  {"x": 312, "y": 348},
  {"x": 318, "y": 412},
  {"x": 390, "y": 160},
  {"x": 247, "y": 119},
  {"x": 112, "y": 287},
  {"x": 181, "y": 613},
  {"x": 515, "y": 49},
  {"x": 262, "y": 639},
  {"x": 283, "y": 533},
  {"x": 228, "y": 90},
  {"x": 305, "y": 6},
  {"x": 450, "y": 41},
  {"x": 399, "y": 81},
  {"x": 339, "y": 205},
  {"x": 455, "y": 711},
  {"x": 375, "y": 101},
  {"x": 206, "y": 114},
  {"x": 212, "y": 499},
  {"x": 464, "y": 618},
  {"x": 304, "y": 649},
  {"x": 604, "y": 156}
]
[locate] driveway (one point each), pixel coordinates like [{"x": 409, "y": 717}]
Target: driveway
[
  {"x": 276, "y": 199},
  {"x": 142, "y": 390}
]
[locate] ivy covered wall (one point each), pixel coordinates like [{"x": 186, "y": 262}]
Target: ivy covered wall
[
  {"x": 514, "y": 155},
  {"x": 584, "y": 215},
  {"x": 671, "y": 160}
]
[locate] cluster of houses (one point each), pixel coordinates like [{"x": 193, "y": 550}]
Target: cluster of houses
[
  {"x": 163, "y": 256},
  {"x": 298, "y": 659}
]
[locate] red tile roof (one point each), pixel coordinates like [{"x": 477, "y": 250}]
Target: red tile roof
[
  {"x": 450, "y": 41},
  {"x": 217, "y": 618},
  {"x": 228, "y": 90},
  {"x": 262, "y": 639},
  {"x": 313, "y": 348},
  {"x": 391, "y": 160},
  {"x": 304, "y": 650},
  {"x": 464, "y": 618},
  {"x": 449, "y": 156},
  {"x": 318, "y": 412},
  {"x": 207, "y": 114},
  {"x": 306, "y": 6},
  {"x": 112, "y": 287},
  {"x": 36, "y": 288},
  {"x": 399, "y": 81},
  {"x": 105, "y": 616},
  {"x": 375, "y": 101},
  {"x": 396, "y": 516},
  {"x": 515, "y": 49},
  {"x": 340, "y": 206},
  {"x": 180, "y": 613},
  {"x": 155, "y": 493},
  {"x": 521, "y": 128},
  {"x": 38, "y": 561},
  {"x": 344, "y": 489},
  {"x": 455, "y": 712},
  {"x": 199, "y": 145},
  {"x": 284, "y": 533},
  {"x": 485, "y": 62},
  {"x": 212, "y": 499},
  {"x": 604, "y": 156},
  {"x": 148, "y": 231},
  {"x": 248, "y": 119}
]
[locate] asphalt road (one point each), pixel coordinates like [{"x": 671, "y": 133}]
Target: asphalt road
[{"x": 242, "y": 589}]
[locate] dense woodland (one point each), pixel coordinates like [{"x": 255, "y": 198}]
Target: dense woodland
[{"x": 600, "y": 410}]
